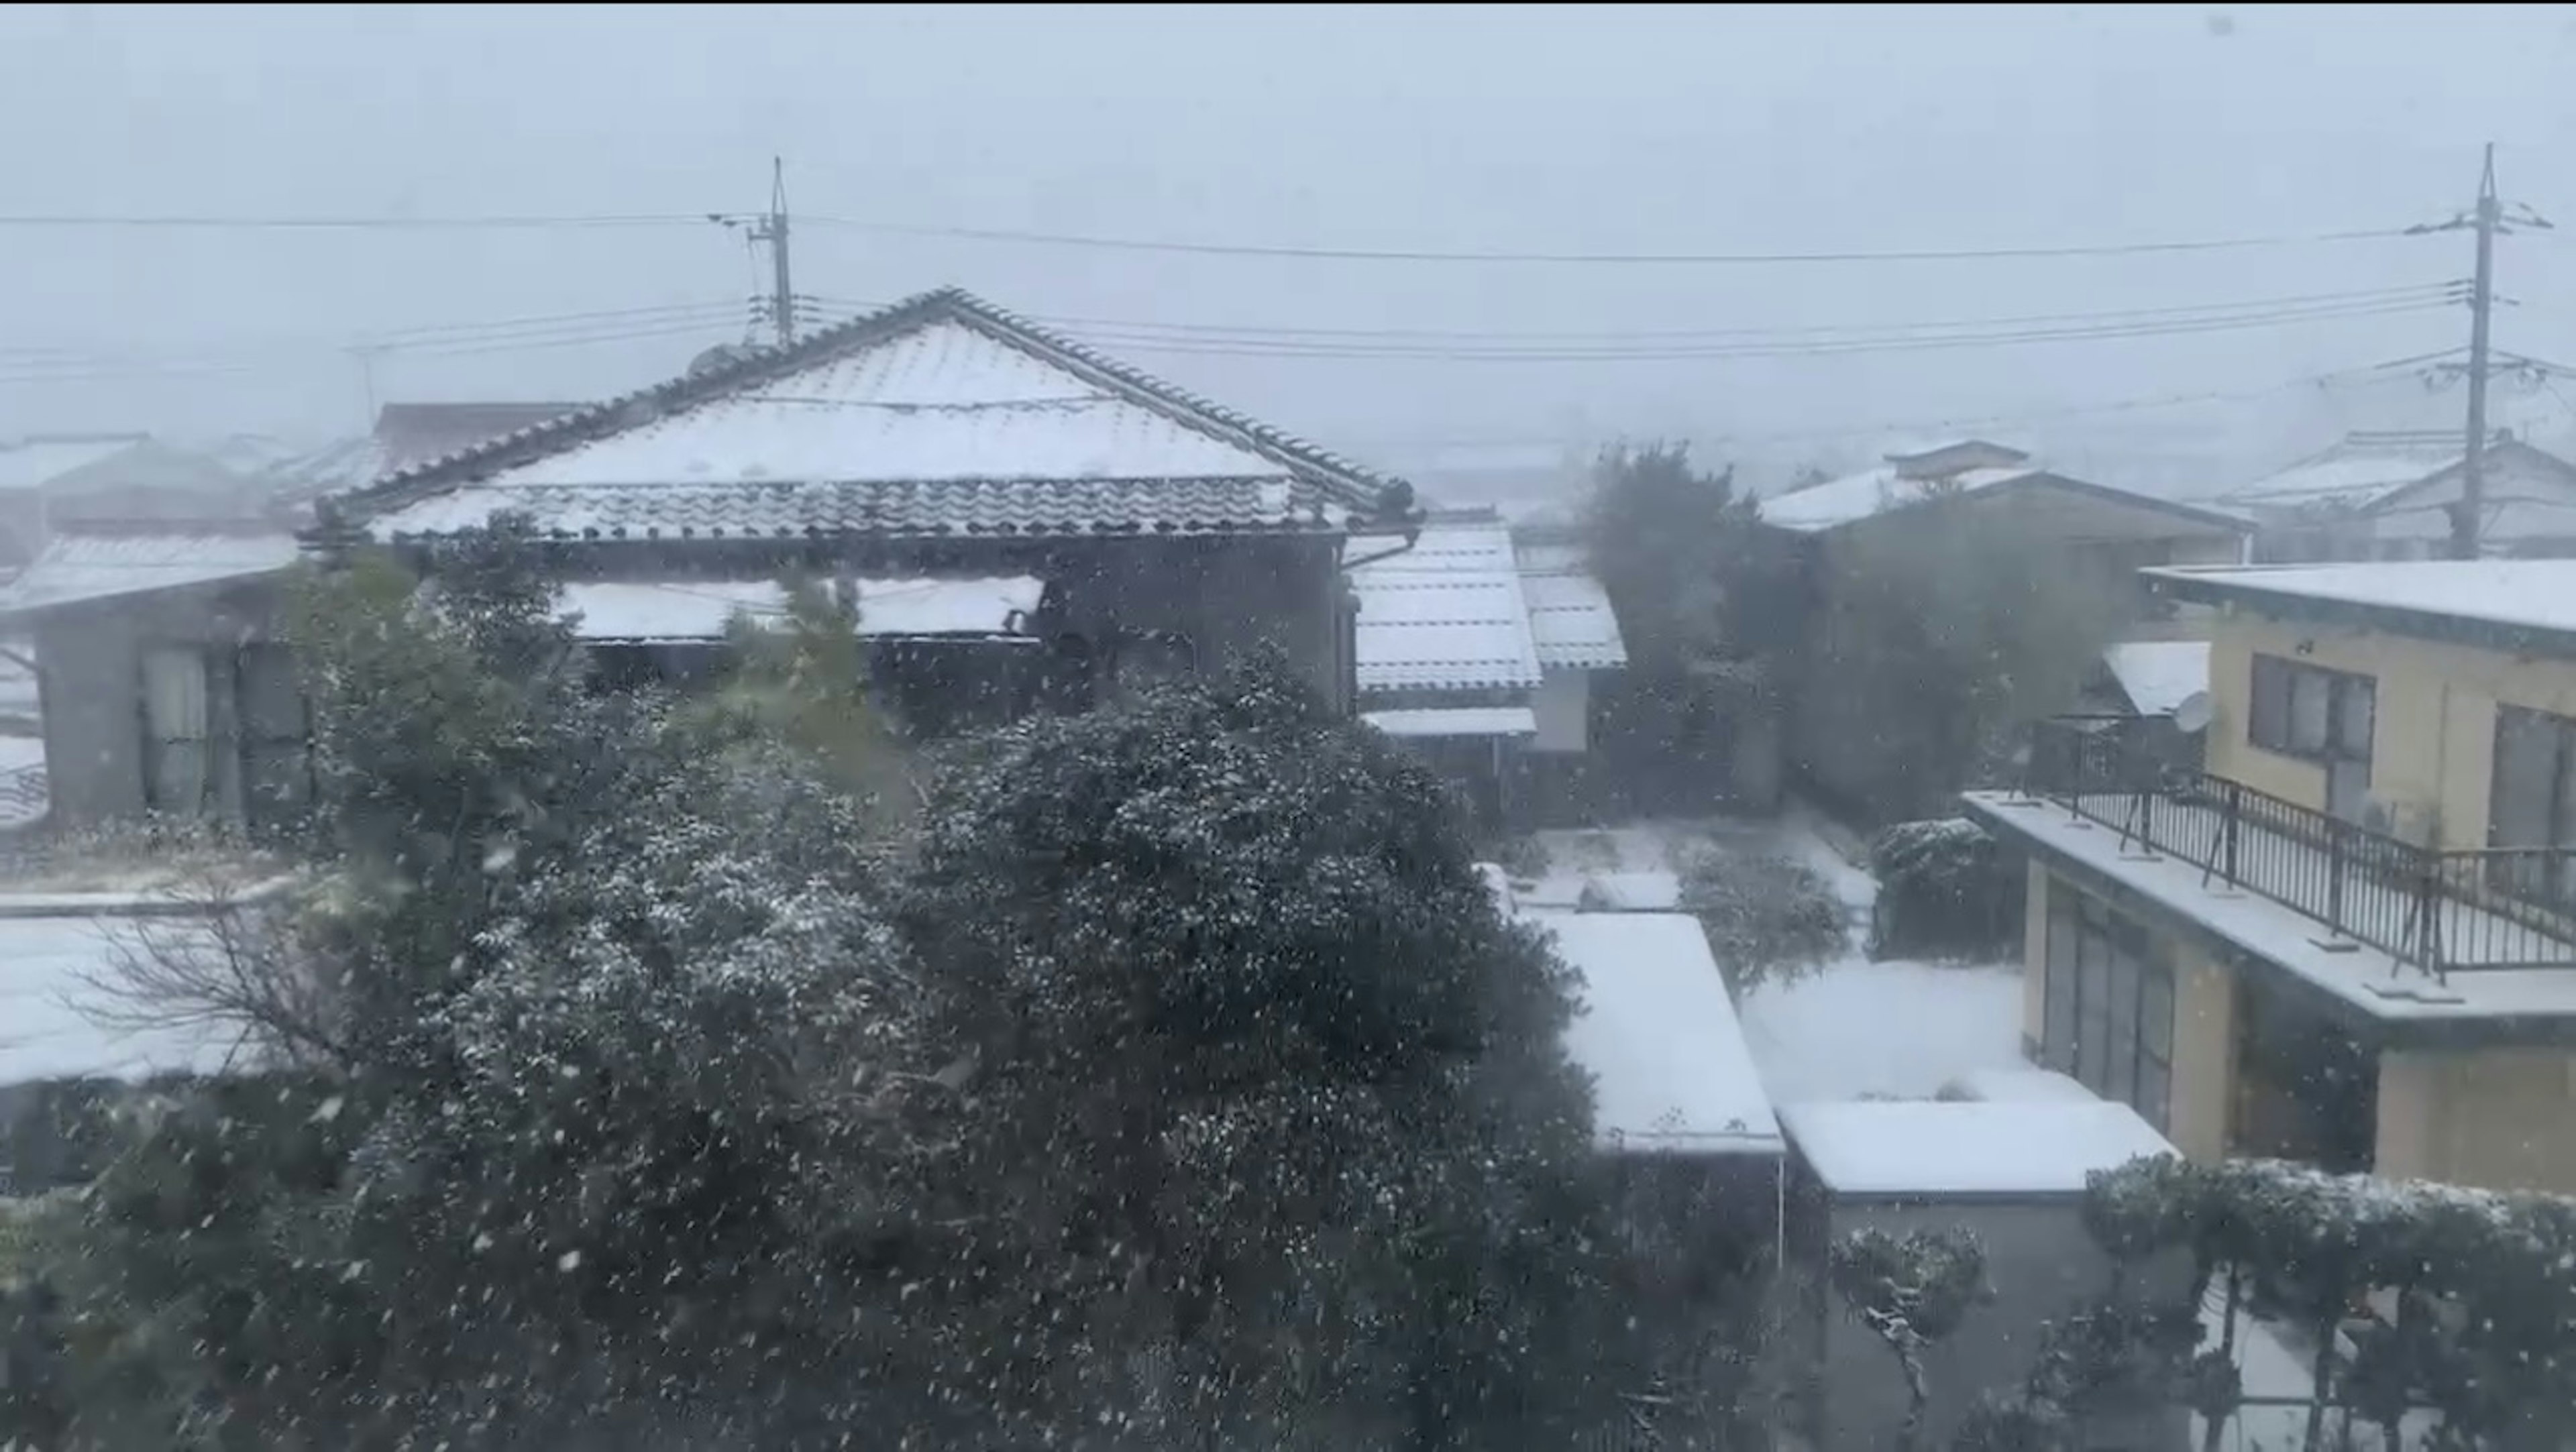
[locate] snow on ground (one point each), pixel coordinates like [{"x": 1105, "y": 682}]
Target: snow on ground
[
  {"x": 51, "y": 1003},
  {"x": 1852, "y": 1030}
]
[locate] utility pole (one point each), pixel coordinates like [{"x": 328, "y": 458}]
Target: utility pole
[
  {"x": 770, "y": 229},
  {"x": 2488, "y": 221},
  {"x": 2469, "y": 518}
]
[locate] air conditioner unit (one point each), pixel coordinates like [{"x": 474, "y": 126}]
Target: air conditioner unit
[{"x": 2416, "y": 824}]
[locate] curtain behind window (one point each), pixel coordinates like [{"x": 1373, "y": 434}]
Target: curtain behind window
[{"x": 177, "y": 766}]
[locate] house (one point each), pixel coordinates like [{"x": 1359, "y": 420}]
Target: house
[
  {"x": 1842, "y": 527},
  {"x": 1017, "y": 520},
  {"x": 1480, "y": 644},
  {"x": 2011, "y": 1173},
  {"x": 2389, "y": 495},
  {"x": 2346, "y": 935}
]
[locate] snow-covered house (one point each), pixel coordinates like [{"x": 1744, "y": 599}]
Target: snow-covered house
[
  {"x": 1840, "y": 525},
  {"x": 2347, "y": 934},
  {"x": 2009, "y": 1172},
  {"x": 2388, "y": 495},
  {"x": 1017, "y": 519},
  {"x": 1481, "y": 645}
]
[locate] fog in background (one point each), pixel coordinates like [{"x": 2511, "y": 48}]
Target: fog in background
[{"x": 602, "y": 132}]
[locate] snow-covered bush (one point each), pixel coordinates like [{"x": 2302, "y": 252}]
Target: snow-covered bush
[
  {"x": 1767, "y": 917},
  {"x": 1946, "y": 890}
]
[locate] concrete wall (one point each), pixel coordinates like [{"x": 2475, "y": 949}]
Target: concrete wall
[
  {"x": 2501, "y": 1119},
  {"x": 2434, "y": 733},
  {"x": 2040, "y": 1264}
]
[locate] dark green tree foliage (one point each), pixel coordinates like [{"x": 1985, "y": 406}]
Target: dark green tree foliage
[
  {"x": 1950, "y": 632},
  {"x": 1946, "y": 890},
  {"x": 1767, "y": 918},
  {"x": 1268, "y": 1085},
  {"x": 1706, "y": 603},
  {"x": 2484, "y": 1285}
]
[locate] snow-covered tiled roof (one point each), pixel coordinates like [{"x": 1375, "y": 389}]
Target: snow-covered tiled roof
[
  {"x": 2158, "y": 675},
  {"x": 35, "y": 462},
  {"x": 1447, "y": 614},
  {"x": 941, "y": 415},
  {"x": 1571, "y": 622},
  {"x": 80, "y": 567},
  {"x": 1940, "y": 1149},
  {"x": 1671, "y": 1071},
  {"x": 1456, "y": 721},
  {"x": 2358, "y": 470},
  {"x": 2537, "y": 596},
  {"x": 685, "y": 611}
]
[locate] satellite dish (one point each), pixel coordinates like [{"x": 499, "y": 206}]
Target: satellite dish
[{"x": 2191, "y": 715}]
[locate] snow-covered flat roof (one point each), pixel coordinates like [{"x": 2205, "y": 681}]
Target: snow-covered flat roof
[
  {"x": 2533, "y": 596},
  {"x": 2158, "y": 675},
  {"x": 48, "y": 969},
  {"x": 678, "y": 611},
  {"x": 1937, "y": 1149},
  {"x": 2361, "y": 977},
  {"x": 77, "y": 568},
  {"x": 1658, "y": 1033},
  {"x": 1456, "y": 721}
]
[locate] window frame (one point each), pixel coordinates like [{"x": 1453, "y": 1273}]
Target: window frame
[{"x": 2272, "y": 719}]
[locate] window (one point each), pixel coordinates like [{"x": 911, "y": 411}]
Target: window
[
  {"x": 276, "y": 739},
  {"x": 2533, "y": 803},
  {"x": 224, "y": 731},
  {"x": 2108, "y": 1005},
  {"x": 2306, "y": 711},
  {"x": 178, "y": 730}
]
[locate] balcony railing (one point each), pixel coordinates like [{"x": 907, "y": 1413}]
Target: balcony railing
[{"x": 2436, "y": 910}]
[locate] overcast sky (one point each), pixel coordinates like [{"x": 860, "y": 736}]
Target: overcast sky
[{"x": 1447, "y": 129}]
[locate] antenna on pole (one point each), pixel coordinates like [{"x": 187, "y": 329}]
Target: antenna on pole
[{"x": 770, "y": 229}]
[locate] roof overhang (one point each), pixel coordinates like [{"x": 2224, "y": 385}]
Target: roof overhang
[{"x": 2226, "y": 587}]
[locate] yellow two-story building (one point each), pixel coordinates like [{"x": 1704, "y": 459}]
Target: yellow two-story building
[{"x": 2346, "y": 932}]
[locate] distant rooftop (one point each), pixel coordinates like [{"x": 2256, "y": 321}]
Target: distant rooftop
[
  {"x": 1965, "y": 467},
  {"x": 2530, "y": 603},
  {"x": 2358, "y": 470},
  {"x": 40, "y": 459}
]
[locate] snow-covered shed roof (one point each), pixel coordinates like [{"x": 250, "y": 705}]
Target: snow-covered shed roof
[
  {"x": 939, "y": 416},
  {"x": 1571, "y": 622},
  {"x": 1455, "y": 721},
  {"x": 671, "y": 612},
  {"x": 78, "y": 568},
  {"x": 32, "y": 463},
  {"x": 1903, "y": 482},
  {"x": 1944, "y": 1149},
  {"x": 2518, "y": 604},
  {"x": 1658, "y": 1033},
  {"x": 2158, "y": 675},
  {"x": 1447, "y": 614}
]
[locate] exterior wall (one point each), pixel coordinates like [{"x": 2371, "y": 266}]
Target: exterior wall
[
  {"x": 1563, "y": 705},
  {"x": 2434, "y": 732},
  {"x": 2203, "y": 1096},
  {"x": 91, "y": 659},
  {"x": 2034, "y": 957},
  {"x": 2501, "y": 1119},
  {"x": 1229, "y": 596},
  {"x": 2041, "y": 1265}
]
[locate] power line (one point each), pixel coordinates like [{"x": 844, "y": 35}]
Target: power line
[
  {"x": 2431, "y": 292},
  {"x": 343, "y": 222},
  {"x": 1258, "y": 346},
  {"x": 1646, "y": 259}
]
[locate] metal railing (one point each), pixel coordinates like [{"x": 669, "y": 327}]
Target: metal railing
[{"x": 2434, "y": 909}]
